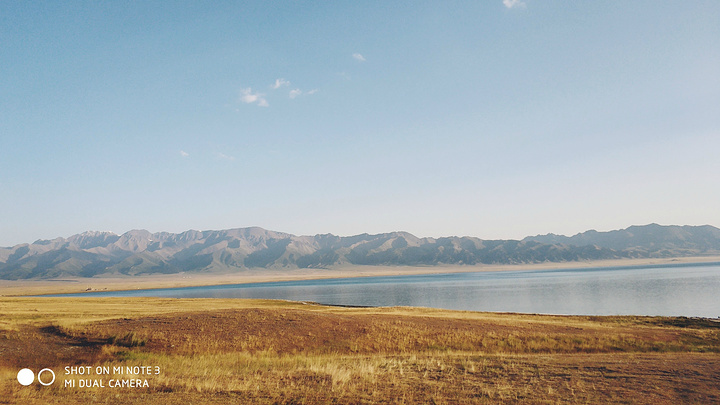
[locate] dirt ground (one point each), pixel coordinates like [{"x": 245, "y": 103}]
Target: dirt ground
[{"x": 290, "y": 353}]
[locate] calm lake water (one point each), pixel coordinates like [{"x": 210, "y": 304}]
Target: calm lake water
[{"x": 686, "y": 290}]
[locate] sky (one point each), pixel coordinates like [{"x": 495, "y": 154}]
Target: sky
[{"x": 497, "y": 119}]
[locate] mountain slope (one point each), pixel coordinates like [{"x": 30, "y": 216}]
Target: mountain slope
[
  {"x": 140, "y": 252},
  {"x": 645, "y": 241}
]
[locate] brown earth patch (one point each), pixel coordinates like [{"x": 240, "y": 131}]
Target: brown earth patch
[
  {"x": 290, "y": 353},
  {"x": 286, "y": 331},
  {"x": 38, "y": 347}
]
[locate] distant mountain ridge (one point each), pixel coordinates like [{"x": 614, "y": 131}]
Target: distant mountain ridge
[
  {"x": 138, "y": 252},
  {"x": 644, "y": 241}
]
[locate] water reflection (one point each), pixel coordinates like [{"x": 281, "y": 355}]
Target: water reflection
[{"x": 682, "y": 290}]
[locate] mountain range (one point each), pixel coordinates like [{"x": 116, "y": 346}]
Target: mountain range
[{"x": 139, "y": 252}]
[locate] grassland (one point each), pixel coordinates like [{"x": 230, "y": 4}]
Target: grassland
[{"x": 254, "y": 351}]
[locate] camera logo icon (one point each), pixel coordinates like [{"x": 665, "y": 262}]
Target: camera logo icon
[{"x": 26, "y": 377}]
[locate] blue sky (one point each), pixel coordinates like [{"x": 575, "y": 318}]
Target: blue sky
[{"x": 496, "y": 119}]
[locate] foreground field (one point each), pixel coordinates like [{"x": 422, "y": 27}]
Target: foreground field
[{"x": 245, "y": 351}]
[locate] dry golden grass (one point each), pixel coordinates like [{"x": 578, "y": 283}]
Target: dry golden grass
[{"x": 247, "y": 351}]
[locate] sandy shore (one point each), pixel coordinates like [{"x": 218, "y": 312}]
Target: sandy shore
[{"x": 75, "y": 285}]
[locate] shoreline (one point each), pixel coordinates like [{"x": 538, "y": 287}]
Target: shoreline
[{"x": 9, "y": 288}]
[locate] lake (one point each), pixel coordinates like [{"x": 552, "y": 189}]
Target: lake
[{"x": 670, "y": 290}]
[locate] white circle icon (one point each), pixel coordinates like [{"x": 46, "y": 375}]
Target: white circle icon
[
  {"x": 43, "y": 382},
  {"x": 26, "y": 376}
]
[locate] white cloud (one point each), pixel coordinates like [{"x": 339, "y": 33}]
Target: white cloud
[
  {"x": 184, "y": 154},
  {"x": 247, "y": 97},
  {"x": 279, "y": 83},
  {"x": 223, "y": 156},
  {"x": 360, "y": 58},
  {"x": 295, "y": 93},
  {"x": 514, "y": 3}
]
